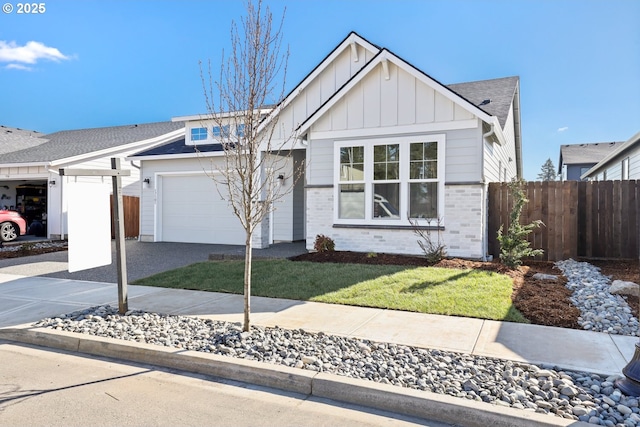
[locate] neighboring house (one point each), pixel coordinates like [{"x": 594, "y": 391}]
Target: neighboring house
[
  {"x": 29, "y": 177},
  {"x": 14, "y": 139},
  {"x": 622, "y": 163},
  {"x": 379, "y": 140},
  {"x": 577, "y": 159}
]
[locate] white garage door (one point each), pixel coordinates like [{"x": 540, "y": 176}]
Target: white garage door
[{"x": 192, "y": 212}]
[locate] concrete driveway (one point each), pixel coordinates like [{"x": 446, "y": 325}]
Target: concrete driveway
[{"x": 143, "y": 259}]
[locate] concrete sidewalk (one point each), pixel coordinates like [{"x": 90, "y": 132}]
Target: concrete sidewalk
[{"x": 28, "y": 299}]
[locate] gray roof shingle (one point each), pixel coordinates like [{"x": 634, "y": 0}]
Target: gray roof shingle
[
  {"x": 70, "y": 143},
  {"x": 499, "y": 91},
  {"x": 15, "y": 139},
  {"x": 575, "y": 154}
]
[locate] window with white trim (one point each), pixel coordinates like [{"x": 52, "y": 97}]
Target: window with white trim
[
  {"x": 198, "y": 134},
  {"x": 384, "y": 181},
  {"x": 351, "y": 183},
  {"x": 221, "y": 131}
]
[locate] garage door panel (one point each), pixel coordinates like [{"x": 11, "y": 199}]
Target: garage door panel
[{"x": 192, "y": 211}]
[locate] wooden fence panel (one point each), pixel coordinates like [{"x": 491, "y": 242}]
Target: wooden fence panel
[
  {"x": 131, "y": 208},
  {"x": 632, "y": 216},
  {"x": 582, "y": 219},
  {"x": 582, "y": 223}
]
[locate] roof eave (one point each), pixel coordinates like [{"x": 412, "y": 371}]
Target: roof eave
[
  {"x": 147, "y": 143},
  {"x": 175, "y": 156},
  {"x": 29, "y": 164},
  {"x": 386, "y": 55}
]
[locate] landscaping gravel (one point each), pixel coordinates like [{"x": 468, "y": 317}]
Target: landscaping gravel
[
  {"x": 601, "y": 311},
  {"x": 29, "y": 246},
  {"x": 580, "y": 396}
]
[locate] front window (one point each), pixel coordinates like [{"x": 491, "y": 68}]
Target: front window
[
  {"x": 423, "y": 178},
  {"x": 386, "y": 178},
  {"x": 198, "y": 134},
  {"x": 351, "y": 185},
  {"x": 384, "y": 183}
]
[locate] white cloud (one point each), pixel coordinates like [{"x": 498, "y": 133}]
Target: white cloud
[
  {"x": 564, "y": 128},
  {"x": 18, "y": 67},
  {"x": 30, "y": 53}
]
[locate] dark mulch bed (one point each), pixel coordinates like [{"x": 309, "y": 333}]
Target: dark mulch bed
[{"x": 542, "y": 302}]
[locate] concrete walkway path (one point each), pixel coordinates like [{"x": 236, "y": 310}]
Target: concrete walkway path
[{"x": 25, "y": 299}]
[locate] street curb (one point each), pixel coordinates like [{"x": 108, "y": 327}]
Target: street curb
[{"x": 422, "y": 404}]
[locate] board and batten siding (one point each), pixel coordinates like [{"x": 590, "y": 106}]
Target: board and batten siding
[
  {"x": 402, "y": 100},
  {"x": 310, "y": 97}
]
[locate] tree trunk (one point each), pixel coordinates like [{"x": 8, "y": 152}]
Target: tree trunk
[{"x": 247, "y": 282}]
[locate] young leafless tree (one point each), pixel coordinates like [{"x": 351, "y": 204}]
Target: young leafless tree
[{"x": 246, "y": 117}]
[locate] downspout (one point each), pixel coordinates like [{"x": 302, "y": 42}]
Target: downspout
[
  {"x": 490, "y": 133},
  {"x": 485, "y": 208}
]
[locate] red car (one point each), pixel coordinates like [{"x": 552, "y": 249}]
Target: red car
[{"x": 12, "y": 225}]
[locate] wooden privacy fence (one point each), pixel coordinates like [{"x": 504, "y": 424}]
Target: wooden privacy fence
[
  {"x": 131, "y": 207},
  {"x": 592, "y": 219}
]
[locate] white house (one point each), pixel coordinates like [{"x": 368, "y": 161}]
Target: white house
[
  {"x": 622, "y": 163},
  {"x": 379, "y": 141},
  {"x": 29, "y": 166}
]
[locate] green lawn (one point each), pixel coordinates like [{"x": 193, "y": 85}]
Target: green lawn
[{"x": 469, "y": 293}]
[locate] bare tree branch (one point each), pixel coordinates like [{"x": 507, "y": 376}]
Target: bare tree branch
[{"x": 252, "y": 81}]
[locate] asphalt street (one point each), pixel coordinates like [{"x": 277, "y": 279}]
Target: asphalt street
[{"x": 55, "y": 388}]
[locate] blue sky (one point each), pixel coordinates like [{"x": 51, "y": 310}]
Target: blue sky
[{"x": 83, "y": 64}]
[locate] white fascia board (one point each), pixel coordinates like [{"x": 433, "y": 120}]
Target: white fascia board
[
  {"x": 396, "y": 130},
  {"x": 24, "y": 165},
  {"x": 176, "y": 156},
  {"x": 218, "y": 116},
  {"x": 145, "y": 144},
  {"x": 385, "y": 55}
]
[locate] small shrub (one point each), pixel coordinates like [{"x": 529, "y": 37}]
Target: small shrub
[
  {"x": 436, "y": 251},
  {"x": 372, "y": 255},
  {"x": 513, "y": 244},
  {"x": 324, "y": 243},
  {"x": 27, "y": 247}
]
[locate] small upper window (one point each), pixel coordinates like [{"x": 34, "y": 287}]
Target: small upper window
[
  {"x": 240, "y": 130},
  {"x": 198, "y": 134},
  {"x": 219, "y": 131}
]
